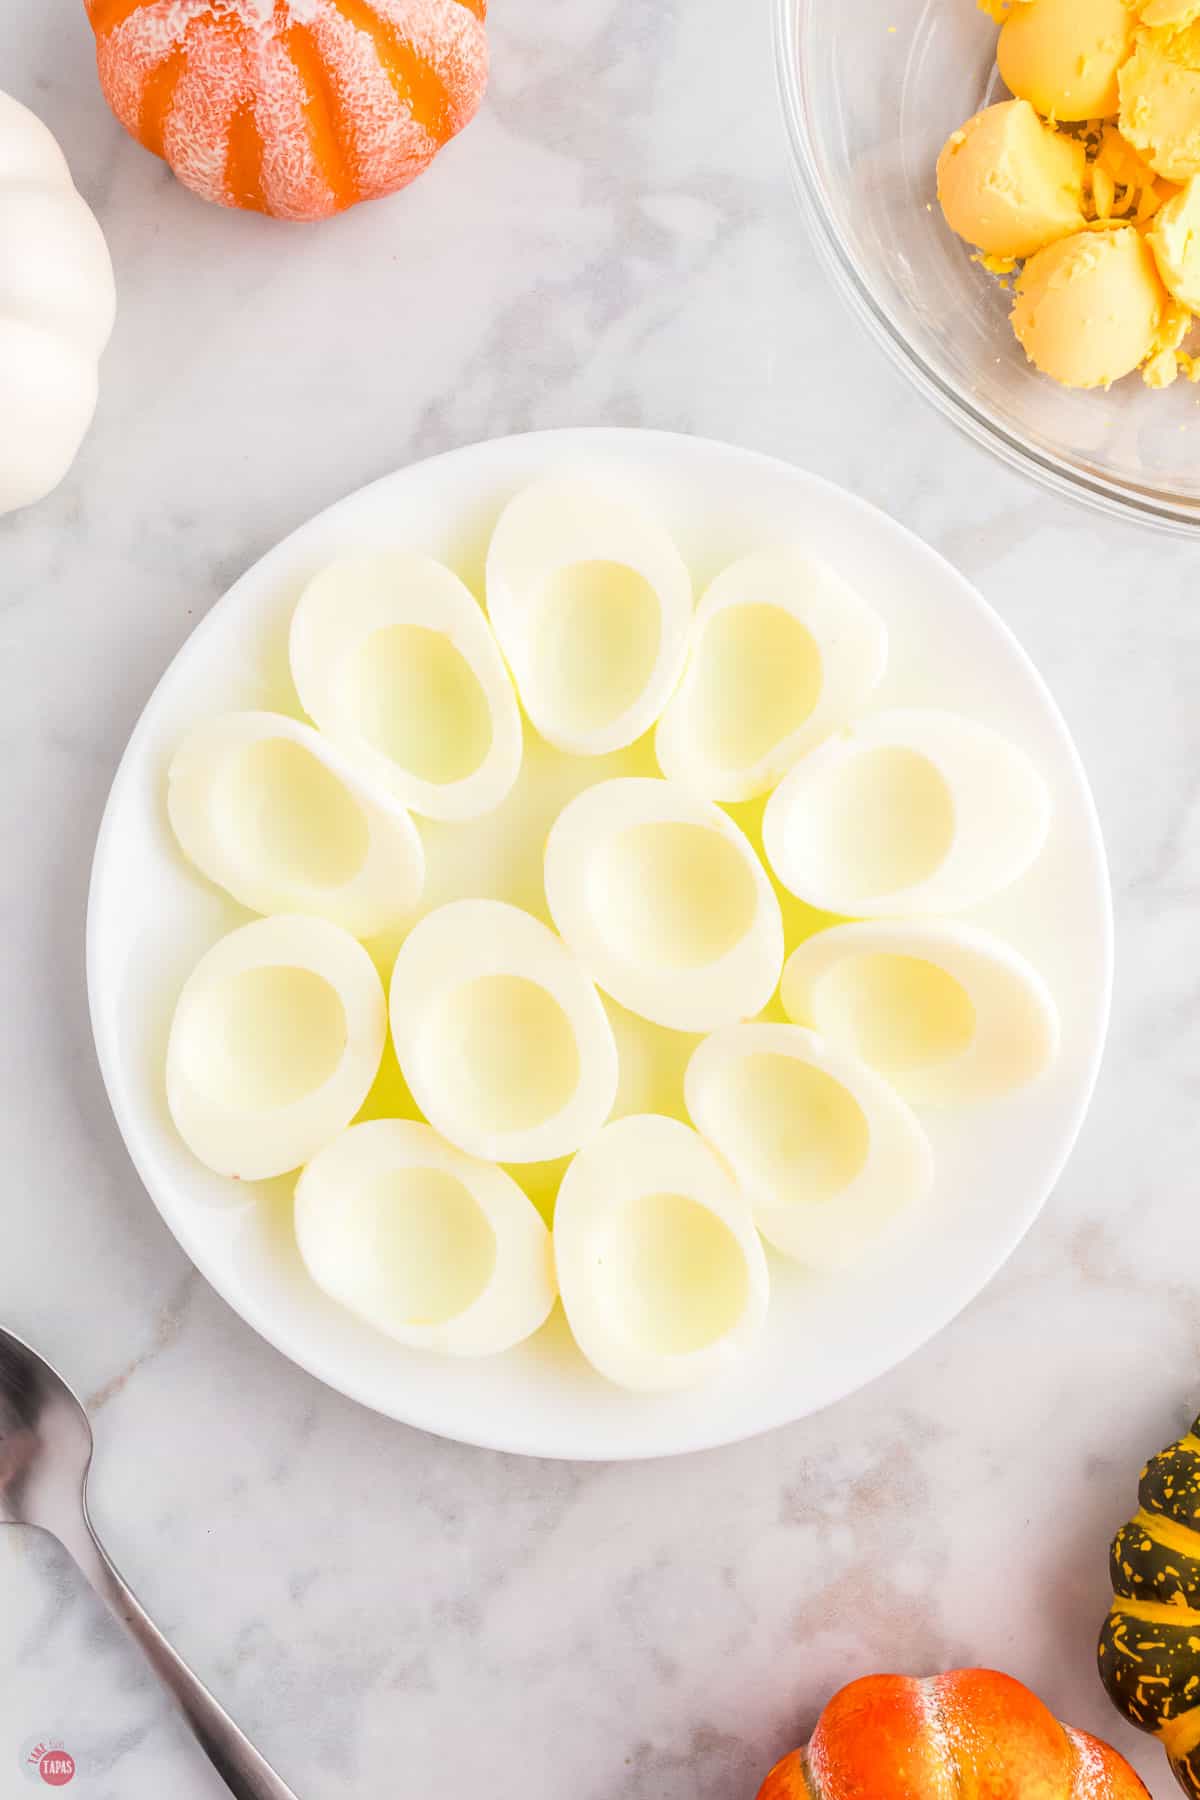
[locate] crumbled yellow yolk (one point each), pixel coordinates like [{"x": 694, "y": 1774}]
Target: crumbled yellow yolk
[
  {"x": 1159, "y": 88},
  {"x": 1099, "y": 149}
]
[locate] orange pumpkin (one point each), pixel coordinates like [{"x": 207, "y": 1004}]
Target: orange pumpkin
[
  {"x": 971, "y": 1732},
  {"x": 298, "y": 108}
]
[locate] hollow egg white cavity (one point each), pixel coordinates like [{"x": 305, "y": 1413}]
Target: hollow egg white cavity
[
  {"x": 945, "y": 1012},
  {"x": 661, "y": 1270},
  {"x": 276, "y": 1040},
  {"x": 909, "y": 811},
  {"x": 782, "y": 652},
  {"x": 392, "y": 658},
  {"x": 665, "y": 903},
  {"x": 502, "y": 1038},
  {"x": 265, "y": 808},
  {"x": 828, "y": 1154},
  {"x": 436, "y": 1249},
  {"x": 591, "y": 602}
]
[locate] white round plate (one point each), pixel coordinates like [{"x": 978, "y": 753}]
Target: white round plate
[{"x": 151, "y": 918}]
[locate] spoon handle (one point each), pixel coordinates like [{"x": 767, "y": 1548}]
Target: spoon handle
[{"x": 246, "y": 1774}]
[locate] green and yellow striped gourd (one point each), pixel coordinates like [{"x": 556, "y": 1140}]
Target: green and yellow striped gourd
[{"x": 1150, "y": 1645}]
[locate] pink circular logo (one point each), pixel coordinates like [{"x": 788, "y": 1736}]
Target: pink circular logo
[{"x": 56, "y": 1768}]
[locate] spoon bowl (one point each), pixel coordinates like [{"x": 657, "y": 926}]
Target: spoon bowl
[{"x": 45, "y": 1441}]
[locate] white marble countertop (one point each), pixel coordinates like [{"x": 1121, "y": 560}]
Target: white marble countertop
[{"x": 614, "y": 242}]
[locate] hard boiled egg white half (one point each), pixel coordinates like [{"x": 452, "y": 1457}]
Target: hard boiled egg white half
[
  {"x": 783, "y": 651},
  {"x": 276, "y": 1040},
  {"x": 502, "y": 1038},
  {"x": 945, "y": 1012},
  {"x": 392, "y": 658},
  {"x": 665, "y": 903},
  {"x": 439, "y": 1251},
  {"x": 827, "y": 1153},
  {"x": 909, "y": 811},
  {"x": 661, "y": 1271},
  {"x": 591, "y": 602},
  {"x": 270, "y": 811}
]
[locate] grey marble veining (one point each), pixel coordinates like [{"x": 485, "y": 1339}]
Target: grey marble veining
[{"x": 615, "y": 241}]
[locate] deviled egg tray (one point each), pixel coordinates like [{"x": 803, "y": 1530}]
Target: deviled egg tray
[{"x": 592, "y": 918}]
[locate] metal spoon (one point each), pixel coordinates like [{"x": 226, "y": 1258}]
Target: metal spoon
[{"x": 45, "y": 1454}]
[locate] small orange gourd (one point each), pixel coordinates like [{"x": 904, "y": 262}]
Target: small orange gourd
[
  {"x": 970, "y": 1732},
  {"x": 299, "y": 108}
]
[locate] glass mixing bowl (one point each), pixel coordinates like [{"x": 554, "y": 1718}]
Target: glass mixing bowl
[{"x": 871, "y": 90}]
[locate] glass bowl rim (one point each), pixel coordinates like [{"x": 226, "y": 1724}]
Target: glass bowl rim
[{"x": 1133, "y": 502}]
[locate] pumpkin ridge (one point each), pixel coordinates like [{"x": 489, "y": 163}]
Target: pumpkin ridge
[
  {"x": 1167, "y": 1532},
  {"x": 932, "y": 1695},
  {"x": 1088, "y": 1775},
  {"x": 1156, "y": 1612},
  {"x": 1150, "y": 1673},
  {"x": 1156, "y": 1559},
  {"x": 158, "y": 97},
  {"x": 789, "y": 1780},
  {"x": 244, "y": 159},
  {"x": 414, "y": 78},
  {"x": 106, "y": 15},
  {"x": 1182, "y": 1735},
  {"x": 242, "y": 173},
  {"x": 1170, "y": 1482},
  {"x": 331, "y": 131},
  {"x": 808, "y": 1775}
]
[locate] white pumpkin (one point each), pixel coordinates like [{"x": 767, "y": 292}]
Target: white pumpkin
[{"x": 57, "y": 304}]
